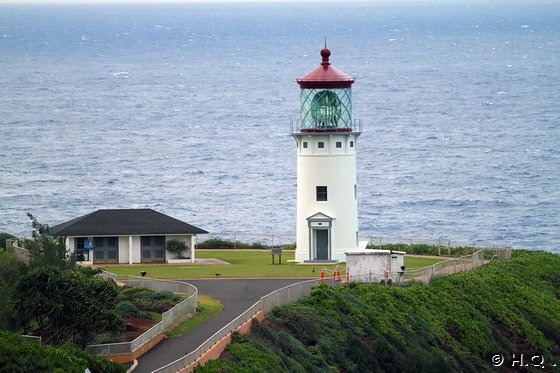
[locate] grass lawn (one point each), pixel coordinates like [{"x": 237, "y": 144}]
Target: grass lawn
[
  {"x": 207, "y": 307},
  {"x": 244, "y": 263}
]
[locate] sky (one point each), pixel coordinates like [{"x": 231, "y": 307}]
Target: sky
[
  {"x": 172, "y": 1},
  {"x": 160, "y": 1}
]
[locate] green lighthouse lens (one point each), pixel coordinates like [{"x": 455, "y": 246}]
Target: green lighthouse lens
[{"x": 325, "y": 109}]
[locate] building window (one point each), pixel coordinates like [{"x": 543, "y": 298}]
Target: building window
[
  {"x": 355, "y": 192},
  {"x": 339, "y": 144},
  {"x": 351, "y": 144},
  {"x": 320, "y": 145},
  {"x": 153, "y": 248},
  {"x": 305, "y": 144},
  {"x": 105, "y": 249},
  {"x": 321, "y": 193}
]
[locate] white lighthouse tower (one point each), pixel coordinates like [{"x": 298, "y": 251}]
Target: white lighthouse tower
[{"x": 326, "y": 136}]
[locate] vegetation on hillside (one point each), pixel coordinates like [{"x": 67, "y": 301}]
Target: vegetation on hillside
[
  {"x": 21, "y": 355},
  {"x": 458, "y": 323},
  {"x": 50, "y": 297}
]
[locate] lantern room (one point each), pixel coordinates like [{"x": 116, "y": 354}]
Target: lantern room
[{"x": 325, "y": 98}]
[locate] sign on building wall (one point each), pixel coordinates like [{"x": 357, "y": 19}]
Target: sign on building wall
[{"x": 88, "y": 245}]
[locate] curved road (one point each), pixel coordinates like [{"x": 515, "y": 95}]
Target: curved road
[{"x": 237, "y": 295}]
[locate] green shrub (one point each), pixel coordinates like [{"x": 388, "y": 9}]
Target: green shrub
[
  {"x": 425, "y": 249},
  {"x": 217, "y": 243},
  {"x": 127, "y": 309},
  {"x": 20, "y": 355},
  {"x": 177, "y": 247},
  {"x": 148, "y": 300}
]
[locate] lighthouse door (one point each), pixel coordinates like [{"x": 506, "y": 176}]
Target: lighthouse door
[{"x": 322, "y": 244}]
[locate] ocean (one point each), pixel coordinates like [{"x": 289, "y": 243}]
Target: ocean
[{"x": 186, "y": 109}]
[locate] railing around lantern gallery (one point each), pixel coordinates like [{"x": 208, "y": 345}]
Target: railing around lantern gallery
[{"x": 295, "y": 127}]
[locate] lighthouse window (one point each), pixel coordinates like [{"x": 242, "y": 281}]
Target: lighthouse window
[
  {"x": 321, "y": 193},
  {"x": 339, "y": 144},
  {"x": 351, "y": 144},
  {"x": 305, "y": 144},
  {"x": 320, "y": 145}
]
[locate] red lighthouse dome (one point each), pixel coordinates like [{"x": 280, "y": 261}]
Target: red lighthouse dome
[{"x": 325, "y": 75}]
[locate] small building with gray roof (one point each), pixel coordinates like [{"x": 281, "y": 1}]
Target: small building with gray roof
[{"x": 126, "y": 236}]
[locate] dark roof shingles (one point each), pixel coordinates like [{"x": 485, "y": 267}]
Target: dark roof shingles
[{"x": 124, "y": 222}]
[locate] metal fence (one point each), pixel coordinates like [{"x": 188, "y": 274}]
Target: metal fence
[
  {"x": 21, "y": 254},
  {"x": 428, "y": 274},
  {"x": 440, "y": 246},
  {"x": 168, "y": 320},
  {"x": 445, "y": 268}
]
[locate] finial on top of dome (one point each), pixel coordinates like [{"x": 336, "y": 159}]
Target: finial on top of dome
[{"x": 325, "y": 54}]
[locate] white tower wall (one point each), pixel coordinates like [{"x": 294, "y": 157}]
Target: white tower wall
[{"x": 334, "y": 167}]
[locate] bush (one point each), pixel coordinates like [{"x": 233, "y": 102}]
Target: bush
[
  {"x": 425, "y": 249},
  {"x": 127, "y": 309},
  {"x": 21, "y": 355},
  {"x": 148, "y": 300},
  {"x": 216, "y": 243},
  {"x": 177, "y": 247}
]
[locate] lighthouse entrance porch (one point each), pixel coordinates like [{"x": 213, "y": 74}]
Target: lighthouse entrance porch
[{"x": 320, "y": 227}]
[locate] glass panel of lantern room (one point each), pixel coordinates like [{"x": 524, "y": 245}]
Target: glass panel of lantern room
[{"x": 324, "y": 109}]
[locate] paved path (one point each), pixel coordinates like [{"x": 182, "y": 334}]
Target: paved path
[{"x": 237, "y": 295}]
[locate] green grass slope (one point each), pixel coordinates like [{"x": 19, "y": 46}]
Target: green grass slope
[{"x": 457, "y": 324}]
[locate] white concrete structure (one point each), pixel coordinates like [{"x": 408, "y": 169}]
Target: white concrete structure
[
  {"x": 128, "y": 249},
  {"x": 374, "y": 265},
  {"x": 327, "y": 205}
]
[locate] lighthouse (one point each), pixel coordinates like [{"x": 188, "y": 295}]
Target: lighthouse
[{"x": 326, "y": 137}]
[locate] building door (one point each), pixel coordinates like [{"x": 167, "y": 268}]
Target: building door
[
  {"x": 153, "y": 248},
  {"x": 82, "y": 247},
  {"x": 322, "y": 244},
  {"x": 105, "y": 249}
]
